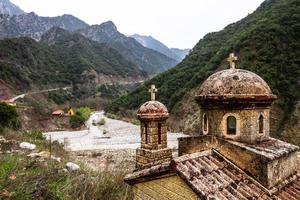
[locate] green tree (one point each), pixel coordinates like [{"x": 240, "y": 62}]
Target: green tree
[
  {"x": 8, "y": 116},
  {"x": 76, "y": 120},
  {"x": 82, "y": 114}
]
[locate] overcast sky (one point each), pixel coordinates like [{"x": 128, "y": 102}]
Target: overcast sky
[{"x": 177, "y": 23}]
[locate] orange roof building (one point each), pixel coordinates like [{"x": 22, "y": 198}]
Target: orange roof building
[{"x": 58, "y": 112}]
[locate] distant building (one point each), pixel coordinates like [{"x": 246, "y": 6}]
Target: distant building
[
  {"x": 58, "y": 113},
  {"x": 70, "y": 111},
  {"x": 233, "y": 157}
]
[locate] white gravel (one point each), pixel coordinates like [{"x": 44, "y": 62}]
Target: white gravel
[{"x": 120, "y": 135}]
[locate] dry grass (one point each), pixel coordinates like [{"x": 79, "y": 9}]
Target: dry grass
[{"x": 22, "y": 177}]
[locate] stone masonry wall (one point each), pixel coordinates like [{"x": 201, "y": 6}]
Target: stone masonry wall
[
  {"x": 153, "y": 135},
  {"x": 281, "y": 168},
  {"x": 151, "y": 152},
  {"x": 146, "y": 158},
  {"x": 247, "y": 123}
]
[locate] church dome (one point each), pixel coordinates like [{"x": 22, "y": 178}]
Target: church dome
[
  {"x": 153, "y": 109},
  {"x": 235, "y": 84}
]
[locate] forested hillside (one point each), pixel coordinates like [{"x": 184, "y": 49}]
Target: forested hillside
[
  {"x": 60, "y": 59},
  {"x": 267, "y": 42},
  {"x": 15, "y": 23}
]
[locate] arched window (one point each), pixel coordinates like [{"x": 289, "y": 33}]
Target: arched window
[
  {"x": 231, "y": 125},
  {"x": 205, "y": 124},
  {"x": 159, "y": 133},
  {"x": 261, "y": 124},
  {"x": 146, "y": 133}
]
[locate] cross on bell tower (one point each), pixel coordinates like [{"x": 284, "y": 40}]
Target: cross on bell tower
[
  {"x": 231, "y": 59},
  {"x": 152, "y": 91}
]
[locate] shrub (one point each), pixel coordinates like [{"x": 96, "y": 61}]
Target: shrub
[
  {"x": 34, "y": 134},
  {"x": 76, "y": 120},
  {"x": 8, "y": 116},
  {"x": 60, "y": 96},
  {"x": 84, "y": 112}
]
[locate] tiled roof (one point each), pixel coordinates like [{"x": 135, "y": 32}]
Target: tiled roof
[
  {"x": 271, "y": 149},
  {"x": 148, "y": 173},
  {"x": 211, "y": 176},
  {"x": 289, "y": 190}
]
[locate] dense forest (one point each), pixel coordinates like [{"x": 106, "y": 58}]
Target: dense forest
[{"x": 267, "y": 42}]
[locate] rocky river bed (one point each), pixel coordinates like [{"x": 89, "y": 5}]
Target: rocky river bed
[{"x": 110, "y": 146}]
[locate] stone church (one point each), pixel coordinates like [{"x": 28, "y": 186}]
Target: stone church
[{"x": 233, "y": 157}]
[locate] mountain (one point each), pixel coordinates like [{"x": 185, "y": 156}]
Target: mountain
[
  {"x": 149, "y": 60},
  {"x": 34, "y": 26},
  {"x": 267, "y": 42},
  {"x": 61, "y": 59},
  {"x": 180, "y": 52},
  {"x": 8, "y": 8},
  {"x": 151, "y": 43}
]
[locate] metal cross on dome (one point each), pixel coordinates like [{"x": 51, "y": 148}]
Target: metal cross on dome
[
  {"x": 231, "y": 59},
  {"x": 152, "y": 91}
]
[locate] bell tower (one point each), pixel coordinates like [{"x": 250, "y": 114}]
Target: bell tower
[{"x": 153, "y": 116}]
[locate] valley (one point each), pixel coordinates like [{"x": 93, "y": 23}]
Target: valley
[
  {"x": 86, "y": 106},
  {"x": 260, "y": 46}
]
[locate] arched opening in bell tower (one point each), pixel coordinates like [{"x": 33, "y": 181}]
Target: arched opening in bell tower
[
  {"x": 231, "y": 125},
  {"x": 261, "y": 124}
]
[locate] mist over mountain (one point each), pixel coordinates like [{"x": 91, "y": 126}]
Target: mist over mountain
[
  {"x": 150, "y": 42},
  {"x": 182, "y": 53},
  {"x": 8, "y": 8},
  {"x": 149, "y": 60}
]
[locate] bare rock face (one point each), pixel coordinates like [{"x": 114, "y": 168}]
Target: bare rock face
[
  {"x": 149, "y": 60},
  {"x": 8, "y": 8},
  {"x": 103, "y": 33},
  {"x": 34, "y": 26}
]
